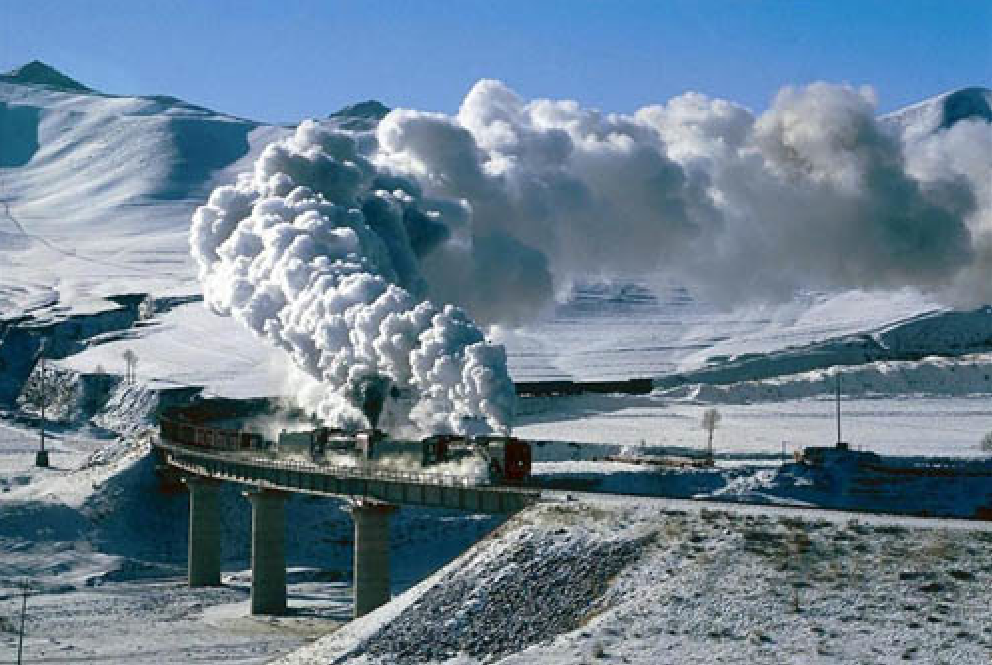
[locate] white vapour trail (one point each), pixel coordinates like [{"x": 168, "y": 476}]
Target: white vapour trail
[{"x": 317, "y": 252}]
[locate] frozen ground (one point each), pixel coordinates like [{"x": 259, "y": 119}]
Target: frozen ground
[
  {"x": 159, "y": 620},
  {"x": 651, "y": 582},
  {"x": 190, "y": 345}
]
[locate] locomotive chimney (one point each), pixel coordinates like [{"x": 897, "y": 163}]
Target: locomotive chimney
[{"x": 372, "y": 394}]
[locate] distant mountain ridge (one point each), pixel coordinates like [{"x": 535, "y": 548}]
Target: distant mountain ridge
[
  {"x": 37, "y": 72},
  {"x": 943, "y": 111}
]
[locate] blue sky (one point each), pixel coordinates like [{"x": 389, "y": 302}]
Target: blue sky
[{"x": 282, "y": 61}]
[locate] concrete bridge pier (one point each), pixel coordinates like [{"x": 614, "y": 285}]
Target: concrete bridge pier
[
  {"x": 268, "y": 552},
  {"x": 203, "y": 562},
  {"x": 371, "y": 558}
]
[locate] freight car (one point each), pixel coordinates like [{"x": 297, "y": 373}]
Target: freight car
[{"x": 178, "y": 427}]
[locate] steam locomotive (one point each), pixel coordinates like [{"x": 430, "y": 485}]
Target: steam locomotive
[{"x": 505, "y": 459}]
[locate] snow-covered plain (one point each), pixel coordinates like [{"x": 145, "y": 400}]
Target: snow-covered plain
[{"x": 903, "y": 425}]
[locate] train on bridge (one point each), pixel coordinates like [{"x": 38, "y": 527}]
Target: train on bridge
[{"x": 215, "y": 425}]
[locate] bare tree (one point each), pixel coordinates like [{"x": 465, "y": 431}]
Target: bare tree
[
  {"x": 131, "y": 361},
  {"x": 146, "y": 309},
  {"x": 711, "y": 418}
]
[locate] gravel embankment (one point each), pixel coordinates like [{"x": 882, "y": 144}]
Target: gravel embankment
[{"x": 542, "y": 585}]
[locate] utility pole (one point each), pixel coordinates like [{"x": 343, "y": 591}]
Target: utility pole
[
  {"x": 41, "y": 457},
  {"x": 24, "y": 611},
  {"x": 711, "y": 417},
  {"x": 840, "y": 442}
]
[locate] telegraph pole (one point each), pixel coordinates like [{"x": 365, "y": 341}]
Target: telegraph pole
[
  {"x": 41, "y": 457},
  {"x": 840, "y": 442},
  {"x": 130, "y": 360},
  {"x": 24, "y": 611}
]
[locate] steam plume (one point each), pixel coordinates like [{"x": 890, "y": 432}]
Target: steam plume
[
  {"x": 312, "y": 252},
  {"x": 815, "y": 193},
  {"x": 338, "y": 243}
]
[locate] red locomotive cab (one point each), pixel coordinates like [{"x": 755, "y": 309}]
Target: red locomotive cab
[{"x": 517, "y": 460}]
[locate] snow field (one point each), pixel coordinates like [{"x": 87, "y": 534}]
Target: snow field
[
  {"x": 938, "y": 377},
  {"x": 889, "y": 425}
]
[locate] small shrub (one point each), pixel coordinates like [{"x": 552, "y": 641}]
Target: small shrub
[{"x": 986, "y": 444}]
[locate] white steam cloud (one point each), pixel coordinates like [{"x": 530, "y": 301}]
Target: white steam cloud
[
  {"x": 313, "y": 252},
  {"x": 815, "y": 193},
  {"x": 336, "y": 245}
]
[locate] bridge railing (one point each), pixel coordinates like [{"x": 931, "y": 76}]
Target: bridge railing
[{"x": 360, "y": 472}]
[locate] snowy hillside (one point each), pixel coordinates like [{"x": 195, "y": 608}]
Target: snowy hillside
[
  {"x": 638, "y": 581},
  {"x": 943, "y": 111},
  {"x": 98, "y": 189}
]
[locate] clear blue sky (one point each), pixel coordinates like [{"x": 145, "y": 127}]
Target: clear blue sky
[{"x": 282, "y": 61}]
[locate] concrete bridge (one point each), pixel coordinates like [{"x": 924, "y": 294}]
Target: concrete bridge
[{"x": 374, "y": 494}]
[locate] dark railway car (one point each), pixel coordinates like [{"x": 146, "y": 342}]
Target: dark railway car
[{"x": 176, "y": 426}]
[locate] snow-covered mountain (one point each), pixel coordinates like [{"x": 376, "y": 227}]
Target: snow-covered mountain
[
  {"x": 38, "y": 73},
  {"x": 944, "y": 111},
  {"x": 97, "y": 190}
]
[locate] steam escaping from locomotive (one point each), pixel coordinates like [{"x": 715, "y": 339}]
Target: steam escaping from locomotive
[
  {"x": 345, "y": 248},
  {"x": 317, "y": 251},
  {"x": 815, "y": 193},
  {"x": 372, "y": 394}
]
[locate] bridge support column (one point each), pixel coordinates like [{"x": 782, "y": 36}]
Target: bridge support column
[
  {"x": 268, "y": 552},
  {"x": 371, "y": 559},
  {"x": 203, "y": 563}
]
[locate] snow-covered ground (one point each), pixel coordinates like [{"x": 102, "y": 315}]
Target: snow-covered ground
[
  {"x": 649, "y": 582},
  {"x": 191, "y": 346},
  {"x": 903, "y": 425}
]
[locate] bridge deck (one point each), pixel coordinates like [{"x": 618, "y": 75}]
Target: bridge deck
[{"x": 387, "y": 485}]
